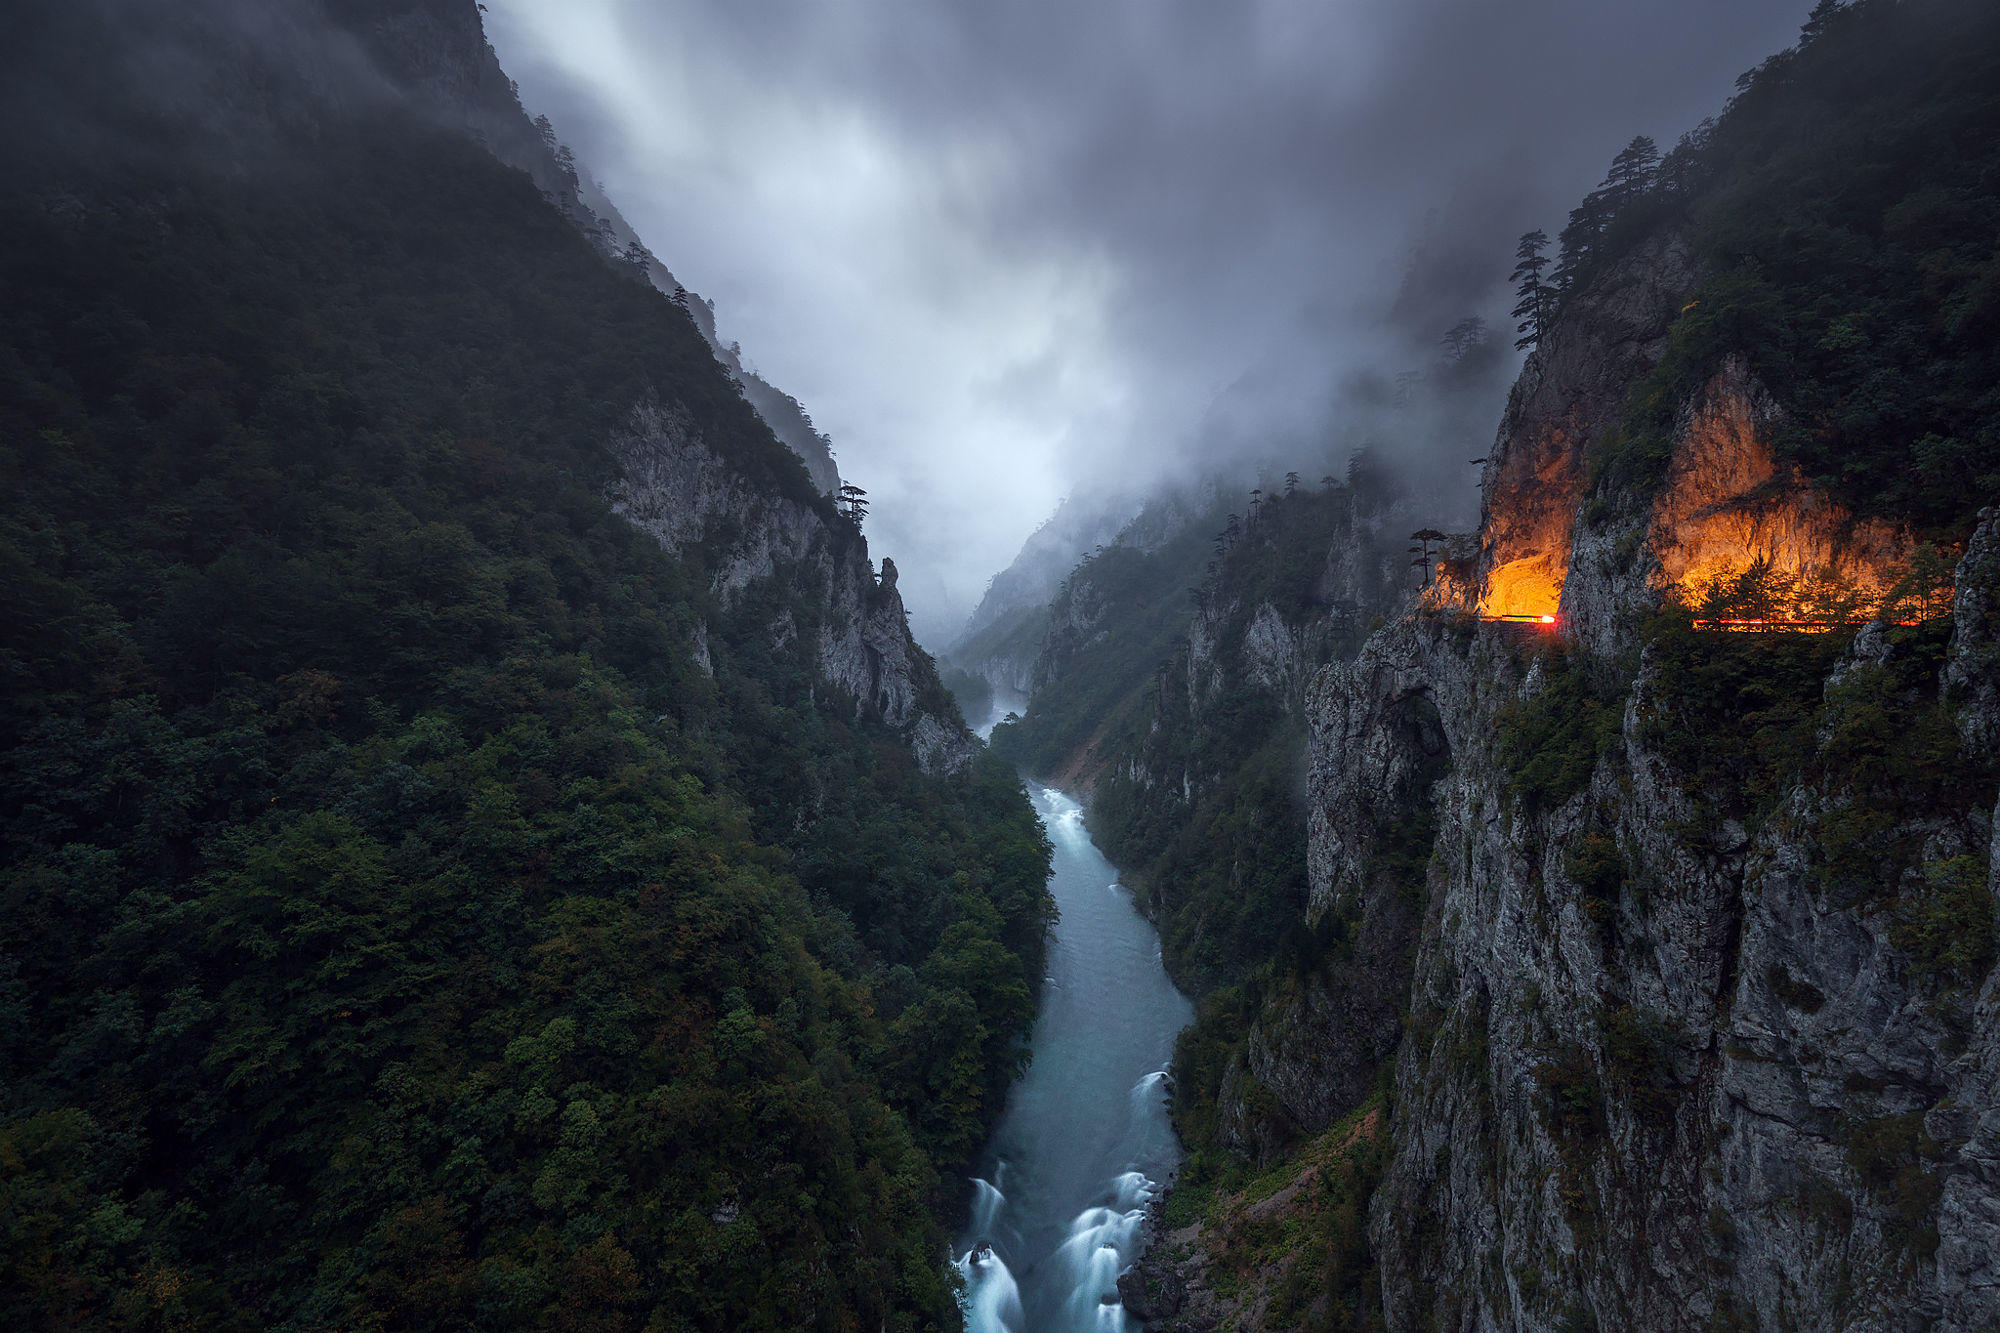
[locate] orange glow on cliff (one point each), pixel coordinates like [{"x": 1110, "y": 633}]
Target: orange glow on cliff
[
  {"x": 1527, "y": 521},
  {"x": 1750, "y": 546},
  {"x": 1742, "y": 541},
  {"x": 1525, "y": 589}
]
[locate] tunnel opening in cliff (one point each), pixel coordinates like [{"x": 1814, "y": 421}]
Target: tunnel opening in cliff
[
  {"x": 1527, "y": 591},
  {"x": 1528, "y": 522},
  {"x": 1530, "y": 518}
]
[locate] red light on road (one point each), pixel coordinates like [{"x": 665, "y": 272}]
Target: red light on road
[{"x": 1548, "y": 620}]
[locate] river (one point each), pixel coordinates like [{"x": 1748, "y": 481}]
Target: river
[{"x": 1084, "y": 1142}]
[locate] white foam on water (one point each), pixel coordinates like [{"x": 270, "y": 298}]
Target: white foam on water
[
  {"x": 1085, "y": 1137},
  {"x": 1133, "y": 1190},
  {"x": 987, "y": 1201},
  {"x": 991, "y": 1299}
]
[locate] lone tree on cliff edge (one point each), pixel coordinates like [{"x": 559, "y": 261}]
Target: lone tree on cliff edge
[
  {"x": 852, "y": 502},
  {"x": 1532, "y": 309},
  {"x": 1426, "y": 536}
]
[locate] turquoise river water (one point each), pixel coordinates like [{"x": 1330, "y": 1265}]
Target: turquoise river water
[{"x": 1084, "y": 1142}]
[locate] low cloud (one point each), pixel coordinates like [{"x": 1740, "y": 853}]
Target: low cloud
[{"x": 1008, "y": 252}]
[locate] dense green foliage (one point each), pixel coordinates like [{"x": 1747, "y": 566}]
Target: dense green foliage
[
  {"x": 1946, "y": 928},
  {"x": 1549, "y": 742},
  {"x": 1847, "y": 217},
  {"x": 397, "y": 929},
  {"x": 1736, "y": 714},
  {"x": 1225, "y": 879},
  {"x": 1743, "y": 718}
]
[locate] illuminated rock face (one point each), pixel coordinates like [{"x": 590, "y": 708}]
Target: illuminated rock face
[
  {"x": 1727, "y": 505},
  {"x": 1530, "y": 515},
  {"x": 1528, "y": 587},
  {"x": 1571, "y": 391},
  {"x": 1724, "y": 507}
]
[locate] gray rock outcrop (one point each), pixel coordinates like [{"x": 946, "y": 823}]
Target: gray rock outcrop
[
  {"x": 676, "y": 489},
  {"x": 1672, "y": 1058}
]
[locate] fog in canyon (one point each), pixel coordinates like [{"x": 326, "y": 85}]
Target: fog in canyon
[{"x": 1007, "y": 253}]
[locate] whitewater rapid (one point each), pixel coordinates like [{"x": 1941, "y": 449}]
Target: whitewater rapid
[{"x": 1084, "y": 1143}]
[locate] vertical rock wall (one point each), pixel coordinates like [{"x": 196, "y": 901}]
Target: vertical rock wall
[
  {"x": 1667, "y": 1063},
  {"x": 679, "y": 491}
]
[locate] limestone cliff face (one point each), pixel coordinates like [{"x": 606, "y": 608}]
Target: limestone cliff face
[
  {"x": 1250, "y": 633},
  {"x": 1666, "y": 1062},
  {"x": 1076, "y": 621},
  {"x": 672, "y": 485},
  {"x": 1567, "y": 397},
  {"x": 1736, "y": 1046},
  {"x": 832, "y": 608}
]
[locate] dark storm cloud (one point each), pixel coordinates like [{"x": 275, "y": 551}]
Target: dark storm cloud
[{"x": 1006, "y": 250}]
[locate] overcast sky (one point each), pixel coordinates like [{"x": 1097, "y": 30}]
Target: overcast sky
[{"x": 1004, "y": 250}]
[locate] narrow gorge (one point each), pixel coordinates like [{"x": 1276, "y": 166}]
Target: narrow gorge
[
  {"x": 1624, "y": 953},
  {"x": 1475, "y": 807}
]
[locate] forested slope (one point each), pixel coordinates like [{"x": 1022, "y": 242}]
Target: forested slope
[{"x": 428, "y": 899}]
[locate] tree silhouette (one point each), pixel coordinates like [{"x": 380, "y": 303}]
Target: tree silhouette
[
  {"x": 1464, "y": 338},
  {"x": 1817, "y": 21},
  {"x": 1632, "y": 171},
  {"x": 1427, "y": 536},
  {"x": 852, "y": 502},
  {"x": 1631, "y": 175},
  {"x": 1533, "y": 295}
]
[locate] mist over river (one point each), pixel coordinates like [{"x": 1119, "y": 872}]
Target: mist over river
[{"x": 1084, "y": 1142}]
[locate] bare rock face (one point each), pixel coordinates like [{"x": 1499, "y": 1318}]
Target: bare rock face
[
  {"x": 1152, "y": 1293},
  {"x": 1725, "y": 1094},
  {"x": 676, "y": 489},
  {"x": 1076, "y": 621},
  {"x": 1661, "y": 1066},
  {"x": 1568, "y": 396},
  {"x": 1972, "y": 676}
]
